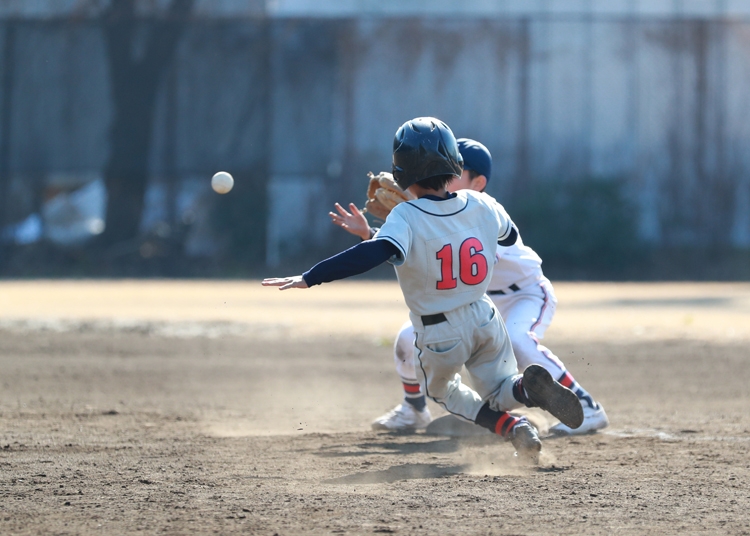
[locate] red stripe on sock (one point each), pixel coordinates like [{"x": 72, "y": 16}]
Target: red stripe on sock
[
  {"x": 567, "y": 380},
  {"x": 505, "y": 419},
  {"x": 411, "y": 388}
]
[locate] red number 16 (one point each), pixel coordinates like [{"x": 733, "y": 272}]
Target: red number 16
[{"x": 472, "y": 265}]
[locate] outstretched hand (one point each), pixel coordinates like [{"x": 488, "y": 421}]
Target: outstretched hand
[
  {"x": 353, "y": 222},
  {"x": 284, "y": 283}
]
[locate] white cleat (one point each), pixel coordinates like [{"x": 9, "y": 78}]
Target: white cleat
[
  {"x": 593, "y": 419},
  {"x": 403, "y": 418}
]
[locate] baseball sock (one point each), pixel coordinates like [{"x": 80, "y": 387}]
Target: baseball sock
[
  {"x": 569, "y": 381},
  {"x": 498, "y": 422},
  {"x": 413, "y": 395},
  {"x": 519, "y": 393}
]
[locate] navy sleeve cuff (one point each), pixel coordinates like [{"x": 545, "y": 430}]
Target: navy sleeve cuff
[{"x": 511, "y": 238}]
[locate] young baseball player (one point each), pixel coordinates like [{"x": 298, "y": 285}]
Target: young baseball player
[
  {"x": 443, "y": 246},
  {"x": 520, "y": 291}
]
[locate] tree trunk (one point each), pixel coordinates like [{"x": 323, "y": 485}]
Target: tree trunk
[{"x": 134, "y": 83}]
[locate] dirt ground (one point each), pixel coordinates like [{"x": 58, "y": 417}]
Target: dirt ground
[{"x": 175, "y": 407}]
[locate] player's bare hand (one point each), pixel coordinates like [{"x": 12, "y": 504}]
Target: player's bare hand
[
  {"x": 284, "y": 283},
  {"x": 353, "y": 222}
]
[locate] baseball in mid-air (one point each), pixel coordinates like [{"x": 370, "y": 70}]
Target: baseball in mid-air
[{"x": 222, "y": 182}]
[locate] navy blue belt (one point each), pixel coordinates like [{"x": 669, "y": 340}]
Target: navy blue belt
[
  {"x": 513, "y": 287},
  {"x": 429, "y": 320}
]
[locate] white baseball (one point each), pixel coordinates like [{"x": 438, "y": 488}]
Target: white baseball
[{"x": 222, "y": 182}]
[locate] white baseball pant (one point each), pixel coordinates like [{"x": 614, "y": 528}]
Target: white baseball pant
[
  {"x": 527, "y": 314},
  {"x": 472, "y": 336}
]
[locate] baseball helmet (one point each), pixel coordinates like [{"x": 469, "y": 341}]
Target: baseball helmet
[
  {"x": 424, "y": 147},
  {"x": 476, "y": 156}
]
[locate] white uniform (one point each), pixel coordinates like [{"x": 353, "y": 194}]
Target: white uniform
[
  {"x": 447, "y": 249},
  {"x": 527, "y": 306}
]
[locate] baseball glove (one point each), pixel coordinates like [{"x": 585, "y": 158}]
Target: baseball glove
[{"x": 383, "y": 194}]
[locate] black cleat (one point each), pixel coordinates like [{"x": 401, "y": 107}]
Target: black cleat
[
  {"x": 544, "y": 392},
  {"x": 525, "y": 439}
]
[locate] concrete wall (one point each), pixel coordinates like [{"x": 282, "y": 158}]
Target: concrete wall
[
  {"x": 657, "y": 102},
  {"x": 309, "y": 96}
]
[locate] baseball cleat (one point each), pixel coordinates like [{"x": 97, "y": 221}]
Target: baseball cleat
[
  {"x": 526, "y": 440},
  {"x": 403, "y": 418},
  {"x": 544, "y": 392},
  {"x": 593, "y": 419}
]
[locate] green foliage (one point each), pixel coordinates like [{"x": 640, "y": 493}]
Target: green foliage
[{"x": 581, "y": 229}]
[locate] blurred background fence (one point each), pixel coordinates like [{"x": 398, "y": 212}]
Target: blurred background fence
[{"x": 619, "y": 129}]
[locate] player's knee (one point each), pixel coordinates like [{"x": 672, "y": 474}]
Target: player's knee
[
  {"x": 403, "y": 350},
  {"x": 403, "y": 354},
  {"x": 437, "y": 399},
  {"x": 442, "y": 387}
]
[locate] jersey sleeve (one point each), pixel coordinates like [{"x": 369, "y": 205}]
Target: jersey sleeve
[
  {"x": 355, "y": 260},
  {"x": 396, "y": 230},
  {"x": 506, "y": 228}
]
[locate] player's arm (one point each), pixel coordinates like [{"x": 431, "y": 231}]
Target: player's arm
[
  {"x": 356, "y": 260},
  {"x": 353, "y": 222}
]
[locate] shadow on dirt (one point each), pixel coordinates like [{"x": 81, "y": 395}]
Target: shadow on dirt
[
  {"x": 440, "y": 446},
  {"x": 436, "y": 446},
  {"x": 410, "y": 471}
]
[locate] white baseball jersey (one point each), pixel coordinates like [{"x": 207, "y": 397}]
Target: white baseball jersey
[
  {"x": 516, "y": 265},
  {"x": 447, "y": 249}
]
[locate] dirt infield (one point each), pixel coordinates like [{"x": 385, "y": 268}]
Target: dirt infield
[{"x": 221, "y": 407}]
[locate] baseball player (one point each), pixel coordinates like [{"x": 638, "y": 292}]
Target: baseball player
[
  {"x": 443, "y": 246},
  {"x": 519, "y": 290}
]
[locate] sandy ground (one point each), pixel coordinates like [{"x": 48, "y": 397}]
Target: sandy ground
[{"x": 166, "y": 407}]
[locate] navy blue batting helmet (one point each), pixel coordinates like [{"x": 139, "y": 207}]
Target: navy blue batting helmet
[{"x": 424, "y": 147}]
